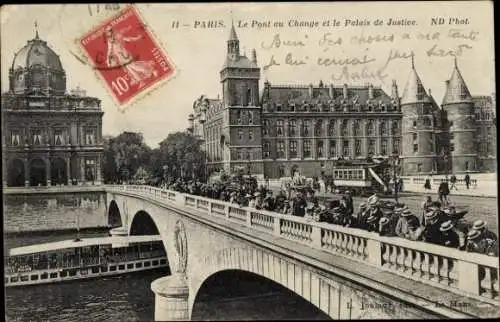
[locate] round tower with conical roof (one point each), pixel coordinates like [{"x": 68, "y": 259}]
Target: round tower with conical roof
[
  {"x": 418, "y": 148},
  {"x": 459, "y": 107}
]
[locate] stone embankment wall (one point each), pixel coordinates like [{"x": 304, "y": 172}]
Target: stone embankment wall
[{"x": 56, "y": 211}]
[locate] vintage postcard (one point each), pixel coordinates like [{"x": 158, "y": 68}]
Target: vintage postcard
[{"x": 249, "y": 161}]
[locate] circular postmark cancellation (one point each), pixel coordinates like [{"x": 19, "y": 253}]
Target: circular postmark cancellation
[
  {"x": 181, "y": 247},
  {"x": 125, "y": 54}
]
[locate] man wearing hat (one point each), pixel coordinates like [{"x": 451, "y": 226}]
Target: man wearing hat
[
  {"x": 337, "y": 216},
  {"x": 299, "y": 205},
  {"x": 425, "y": 206},
  {"x": 402, "y": 227},
  {"x": 449, "y": 236},
  {"x": 361, "y": 216},
  {"x": 374, "y": 209},
  {"x": 432, "y": 233},
  {"x": 385, "y": 228},
  {"x": 252, "y": 203},
  {"x": 476, "y": 244},
  {"x": 372, "y": 223},
  {"x": 480, "y": 225},
  {"x": 269, "y": 201},
  {"x": 349, "y": 202}
]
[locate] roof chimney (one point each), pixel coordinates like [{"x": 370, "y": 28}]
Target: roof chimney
[
  {"x": 370, "y": 91},
  {"x": 330, "y": 91},
  {"x": 310, "y": 90},
  {"x": 344, "y": 91}
]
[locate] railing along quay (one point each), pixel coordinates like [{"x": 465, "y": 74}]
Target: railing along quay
[{"x": 451, "y": 269}]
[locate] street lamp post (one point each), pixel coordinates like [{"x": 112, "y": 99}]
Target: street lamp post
[{"x": 395, "y": 164}]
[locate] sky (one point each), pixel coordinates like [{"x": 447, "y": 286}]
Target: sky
[{"x": 335, "y": 41}]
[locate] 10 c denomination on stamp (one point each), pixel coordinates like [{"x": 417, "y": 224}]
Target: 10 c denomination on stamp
[{"x": 126, "y": 56}]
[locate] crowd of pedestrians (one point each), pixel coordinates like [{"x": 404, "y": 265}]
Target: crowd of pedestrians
[{"x": 439, "y": 223}]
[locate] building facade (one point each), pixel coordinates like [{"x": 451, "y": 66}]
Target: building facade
[
  {"x": 308, "y": 128},
  {"x": 49, "y": 136}
]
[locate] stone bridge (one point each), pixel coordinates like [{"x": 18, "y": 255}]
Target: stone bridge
[{"x": 347, "y": 273}]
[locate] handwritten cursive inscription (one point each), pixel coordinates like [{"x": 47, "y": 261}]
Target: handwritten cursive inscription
[
  {"x": 277, "y": 42},
  {"x": 435, "y": 51}
]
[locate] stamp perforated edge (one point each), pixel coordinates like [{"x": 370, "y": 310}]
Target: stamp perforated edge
[{"x": 122, "y": 107}]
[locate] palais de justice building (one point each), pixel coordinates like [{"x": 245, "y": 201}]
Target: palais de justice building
[
  {"x": 49, "y": 137},
  {"x": 308, "y": 128}
]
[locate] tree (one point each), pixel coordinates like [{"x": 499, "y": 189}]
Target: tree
[
  {"x": 124, "y": 154},
  {"x": 182, "y": 155}
]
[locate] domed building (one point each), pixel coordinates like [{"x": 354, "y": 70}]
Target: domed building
[{"x": 50, "y": 137}]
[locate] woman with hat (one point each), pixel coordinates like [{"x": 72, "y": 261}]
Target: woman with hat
[
  {"x": 402, "y": 227},
  {"x": 449, "y": 236}
]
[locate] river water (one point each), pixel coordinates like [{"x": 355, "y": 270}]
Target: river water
[{"x": 129, "y": 297}]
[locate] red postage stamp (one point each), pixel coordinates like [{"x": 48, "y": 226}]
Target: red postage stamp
[{"x": 126, "y": 55}]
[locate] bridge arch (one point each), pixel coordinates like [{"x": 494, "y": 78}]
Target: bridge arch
[
  {"x": 143, "y": 224},
  {"x": 249, "y": 260},
  {"x": 251, "y": 295},
  {"x": 114, "y": 215}
]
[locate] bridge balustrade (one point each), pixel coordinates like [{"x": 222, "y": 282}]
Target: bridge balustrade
[{"x": 452, "y": 269}]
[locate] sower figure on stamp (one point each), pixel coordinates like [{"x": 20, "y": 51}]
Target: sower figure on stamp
[{"x": 118, "y": 56}]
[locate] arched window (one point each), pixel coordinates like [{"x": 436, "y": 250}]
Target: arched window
[
  {"x": 318, "y": 128},
  {"x": 343, "y": 129},
  {"x": 356, "y": 129}
]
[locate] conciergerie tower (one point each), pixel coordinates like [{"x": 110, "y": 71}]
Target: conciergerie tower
[{"x": 459, "y": 106}]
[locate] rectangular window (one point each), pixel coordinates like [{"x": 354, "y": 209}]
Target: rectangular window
[
  {"x": 279, "y": 127},
  {"x": 238, "y": 117},
  {"x": 345, "y": 148},
  {"x": 265, "y": 127},
  {"x": 58, "y": 139},
  {"x": 15, "y": 138},
  {"x": 319, "y": 149},
  {"x": 293, "y": 149},
  {"x": 452, "y": 136},
  {"x": 333, "y": 148},
  {"x": 369, "y": 128},
  {"x": 356, "y": 127},
  {"x": 307, "y": 148},
  {"x": 239, "y": 154},
  {"x": 331, "y": 128},
  {"x": 357, "y": 147},
  {"x": 318, "y": 128},
  {"x": 414, "y": 123},
  {"x": 292, "y": 127},
  {"x": 249, "y": 154},
  {"x": 383, "y": 147},
  {"x": 452, "y": 147},
  {"x": 395, "y": 128},
  {"x": 89, "y": 137},
  {"x": 250, "y": 117},
  {"x": 307, "y": 127},
  {"x": 371, "y": 146},
  {"x": 415, "y": 147},
  {"x": 266, "y": 148},
  {"x": 395, "y": 145},
  {"x": 415, "y": 137},
  {"x": 281, "y": 150},
  {"x": 240, "y": 134},
  {"x": 383, "y": 129},
  {"x": 250, "y": 135},
  {"x": 344, "y": 128}
]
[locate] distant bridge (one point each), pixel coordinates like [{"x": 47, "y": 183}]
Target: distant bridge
[{"x": 345, "y": 272}]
